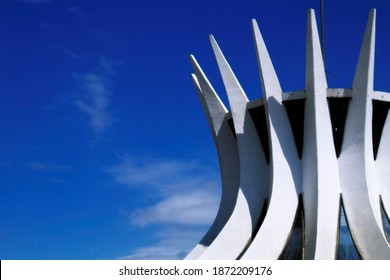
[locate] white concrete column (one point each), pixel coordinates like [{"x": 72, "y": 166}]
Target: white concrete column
[
  {"x": 321, "y": 187},
  {"x": 284, "y": 172},
  {"x": 356, "y": 161},
  {"x": 253, "y": 189},
  {"x": 226, "y": 145}
]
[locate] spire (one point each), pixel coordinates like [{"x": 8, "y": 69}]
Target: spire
[
  {"x": 269, "y": 79},
  {"x": 364, "y": 73}
]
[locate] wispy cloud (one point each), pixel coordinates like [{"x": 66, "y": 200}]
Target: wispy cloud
[
  {"x": 187, "y": 190},
  {"x": 162, "y": 175},
  {"x": 175, "y": 243},
  {"x": 94, "y": 93},
  {"x": 196, "y": 207},
  {"x": 95, "y": 100},
  {"x": 188, "y": 198}
]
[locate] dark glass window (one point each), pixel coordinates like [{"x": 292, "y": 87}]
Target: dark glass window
[
  {"x": 346, "y": 248},
  {"x": 338, "y": 108},
  {"x": 386, "y": 222},
  {"x": 258, "y": 117},
  {"x": 294, "y": 247},
  {"x": 296, "y": 114},
  {"x": 379, "y": 114}
]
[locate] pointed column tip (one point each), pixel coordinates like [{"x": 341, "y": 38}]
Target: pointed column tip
[
  {"x": 311, "y": 17},
  {"x": 311, "y": 13},
  {"x": 315, "y": 81},
  {"x": 194, "y": 64},
  {"x": 364, "y": 71},
  {"x": 195, "y": 81},
  {"x": 254, "y": 24},
  {"x": 372, "y": 15},
  {"x": 213, "y": 41},
  {"x": 193, "y": 61}
]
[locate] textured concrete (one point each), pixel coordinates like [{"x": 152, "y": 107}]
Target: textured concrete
[
  {"x": 253, "y": 172},
  {"x": 226, "y": 145},
  {"x": 321, "y": 185},
  {"x": 356, "y": 162},
  {"x": 284, "y": 168},
  {"x": 242, "y": 229}
]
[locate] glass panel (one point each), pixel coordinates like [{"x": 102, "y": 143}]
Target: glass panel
[
  {"x": 346, "y": 248},
  {"x": 386, "y": 223},
  {"x": 294, "y": 247}
]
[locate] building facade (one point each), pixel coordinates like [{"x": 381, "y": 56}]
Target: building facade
[{"x": 305, "y": 174}]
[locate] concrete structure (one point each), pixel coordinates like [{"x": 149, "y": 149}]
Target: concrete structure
[{"x": 305, "y": 174}]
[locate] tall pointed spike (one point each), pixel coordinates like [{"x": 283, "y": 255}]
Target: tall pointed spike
[
  {"x": 364, "y": 73},
  {"x": 315, "y": 71},
  {"x": 269, "y": 80},
  {"x": 211, "y": 103},
  {"x": 320, "y": 185},
  {"x": 205, "y": 85},
  {"x": 233, "y": 88}
]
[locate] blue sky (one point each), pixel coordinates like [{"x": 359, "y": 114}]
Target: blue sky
[{"x": 105, "y": 151}]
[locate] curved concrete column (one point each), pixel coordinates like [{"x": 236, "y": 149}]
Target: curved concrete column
[
  {"x": 285, "y": 177},
  {"x": 246, "y": 232},
  {"x": 382, "y": 164},
  {"x": 253, "y": 188},
  {"x": 356, "y": 162},
  {"x": 226, "y": 145},
  {"x": 321, "y": 187}
]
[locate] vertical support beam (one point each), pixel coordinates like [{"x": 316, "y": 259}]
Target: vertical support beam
[
  {"x": 356, "y": 162},
  {"x": 226, "y": 145},
  {"x": 321, "y": 187},
  {"x": 253, "y": 190},
  {"x": 320, "y": 176},
  {"x": 284, "y": 170}
]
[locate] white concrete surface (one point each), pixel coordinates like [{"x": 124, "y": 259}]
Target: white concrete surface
[
  {"x": 226, "y": 145},
  {"x": 284, "y": 172},
  {"x": 319, "y": 176}
]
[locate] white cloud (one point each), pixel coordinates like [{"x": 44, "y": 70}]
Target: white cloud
[
  {"x": 175, "y": 244},
  {"x": 188, "y": 191},
  {"x": 162, "y": 176},
  {"x": 156, "y": 252},
  {"x": 193, "y": 208},
  {"x": 188, "y": 198},
  {"x": 94, "y": 93},
  {"x": 95, "y": 101}
]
